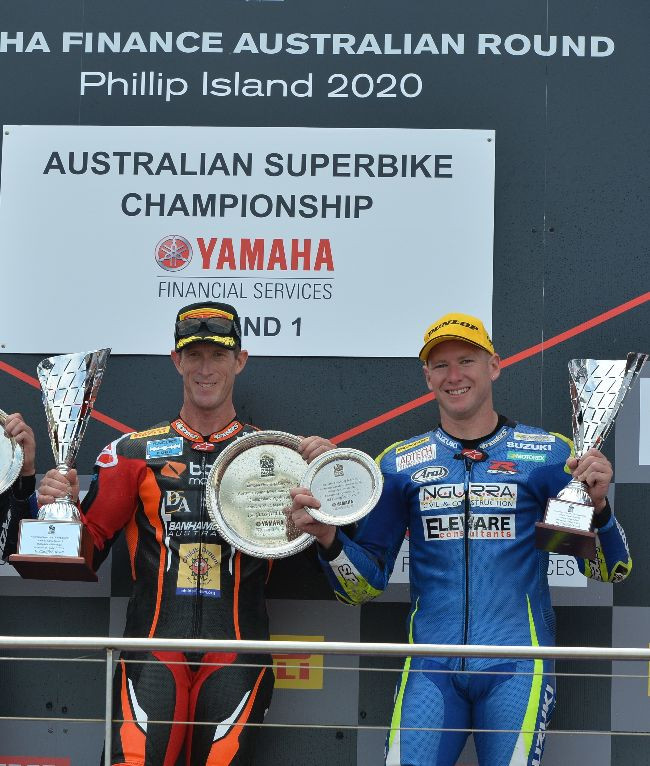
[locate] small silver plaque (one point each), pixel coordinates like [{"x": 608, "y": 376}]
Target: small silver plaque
[
  {"x": 248, "y": 489},
  {"x": 11, "y": 457},
  {"x": 45, "y": 538},
  {"x": 563, "y": 513},
  {"x": 348, "y": 484}
]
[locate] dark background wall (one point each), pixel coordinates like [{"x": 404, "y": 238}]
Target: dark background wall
[{"x": 571, "y": 234}]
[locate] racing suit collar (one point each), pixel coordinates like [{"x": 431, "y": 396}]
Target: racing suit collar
[
  {"x": 482, "y": 442},
  {"x": 234, "y": 428}
]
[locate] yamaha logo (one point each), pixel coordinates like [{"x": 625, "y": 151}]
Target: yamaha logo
[{"x": 173, "y": 253}]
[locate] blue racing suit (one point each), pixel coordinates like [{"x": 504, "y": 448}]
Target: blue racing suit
[{"x": 476, "y": 578}]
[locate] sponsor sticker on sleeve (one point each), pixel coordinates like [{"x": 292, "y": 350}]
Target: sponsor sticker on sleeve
[
  {"x": 524, "y": 437},
  {"x": 410, "y": 445},
  {"x": 151, "y": 432},
  {"x": 164, "y": 448},
  {"x": 420, "y": 455},
  {"x": 531, "y": 457}
]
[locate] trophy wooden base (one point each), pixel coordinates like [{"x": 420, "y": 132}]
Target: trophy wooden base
[
  {"x": 54, "y": 550},
  {"x": 569, "y": 542}
]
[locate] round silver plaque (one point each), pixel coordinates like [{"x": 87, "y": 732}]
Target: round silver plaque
[
  {"x": 11, "y": 457},
  {"x": 348, "y": 484},
  {"x": 248, "y": 490}
]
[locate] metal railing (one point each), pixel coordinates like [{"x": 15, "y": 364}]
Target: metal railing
[{"x": 111, "y": 645}]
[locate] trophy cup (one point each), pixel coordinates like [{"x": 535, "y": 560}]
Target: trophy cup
[
  {"x": 248, "y": 490},
  {"x": 597, "y": 387},
  {"x": 57, "y": 545}
]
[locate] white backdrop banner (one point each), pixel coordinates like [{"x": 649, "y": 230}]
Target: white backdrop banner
[{"x": 329, "y": 242}]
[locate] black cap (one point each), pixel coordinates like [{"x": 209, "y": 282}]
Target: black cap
[{"x": 204, "y": 314}]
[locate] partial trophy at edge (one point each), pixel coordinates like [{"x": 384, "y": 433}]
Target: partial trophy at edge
[{"x": 57, "y": 545}]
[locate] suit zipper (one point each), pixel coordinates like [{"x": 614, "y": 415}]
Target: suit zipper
[
  {"x": 468, "y": 476},
  {"x": 198, "y": 600}
]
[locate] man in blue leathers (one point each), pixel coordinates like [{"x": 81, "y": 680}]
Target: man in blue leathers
[{"x": 469, "y": 493}]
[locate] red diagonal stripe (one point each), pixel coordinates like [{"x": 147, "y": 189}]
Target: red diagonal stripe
[
  {"x": 414, "y": 403},
  {"x": 520, "y": 356},
  {"x": 20, "y": 375},
  {"x": 577, "y": 330},
  {"x": 111, "y": 422},
  {"x": 94, "y": 414}
]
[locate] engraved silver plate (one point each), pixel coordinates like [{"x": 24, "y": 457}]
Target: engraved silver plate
[
  {"x": 248, "y": 489},
  {"x": 11, "y": 457},
  {"x": 347, "y": 483}
]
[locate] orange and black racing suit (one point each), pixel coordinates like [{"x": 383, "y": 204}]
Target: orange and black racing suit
[{"x": 187, "y": 583}]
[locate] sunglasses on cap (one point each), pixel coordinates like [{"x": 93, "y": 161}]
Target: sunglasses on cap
[{"x": 217, "y": 325}]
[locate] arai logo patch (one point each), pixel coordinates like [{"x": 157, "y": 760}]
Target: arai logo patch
[{"x": 430, "y": 473}]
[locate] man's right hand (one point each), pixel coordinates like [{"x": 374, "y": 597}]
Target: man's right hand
[
  {"x": 55, "y": 485},
  {"x": 302, "y": 500}
]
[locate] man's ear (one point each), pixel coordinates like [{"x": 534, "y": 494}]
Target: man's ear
[
  {"x": 176, "y": 359},
  {"x": 495, "y": 366},
  {"x": 425, "y": 370},
  {"x": 242, "y": 358}
]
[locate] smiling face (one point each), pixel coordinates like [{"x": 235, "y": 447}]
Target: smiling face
[
  {"x": 461, "y": 377},
  {"x": 208, "y": 371}
]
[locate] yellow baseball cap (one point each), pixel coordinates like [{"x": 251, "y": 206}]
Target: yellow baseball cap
[{"x": 456, "y": 326}]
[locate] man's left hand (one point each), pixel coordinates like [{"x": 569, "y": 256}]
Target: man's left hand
[{"x": 596, "y": 471}]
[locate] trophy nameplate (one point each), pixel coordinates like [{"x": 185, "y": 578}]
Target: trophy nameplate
[
  {"x": 248, "y": 490},
  {"x": 54, "y": 551},
  {"x": 57, "y": 545},
  {"x": 564, "y": 513},
  {"x": 11, "y": 457},
  {"x": 347, "y": 482},
  {"x": 598, "y": 388}
]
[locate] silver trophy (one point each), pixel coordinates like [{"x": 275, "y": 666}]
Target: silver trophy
[
  {"x": 348, "y": 484},
  {"x": 57, "y": 545},
  {"x": 598, "y": 388},
  {"x": 248, "y": 489}
]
